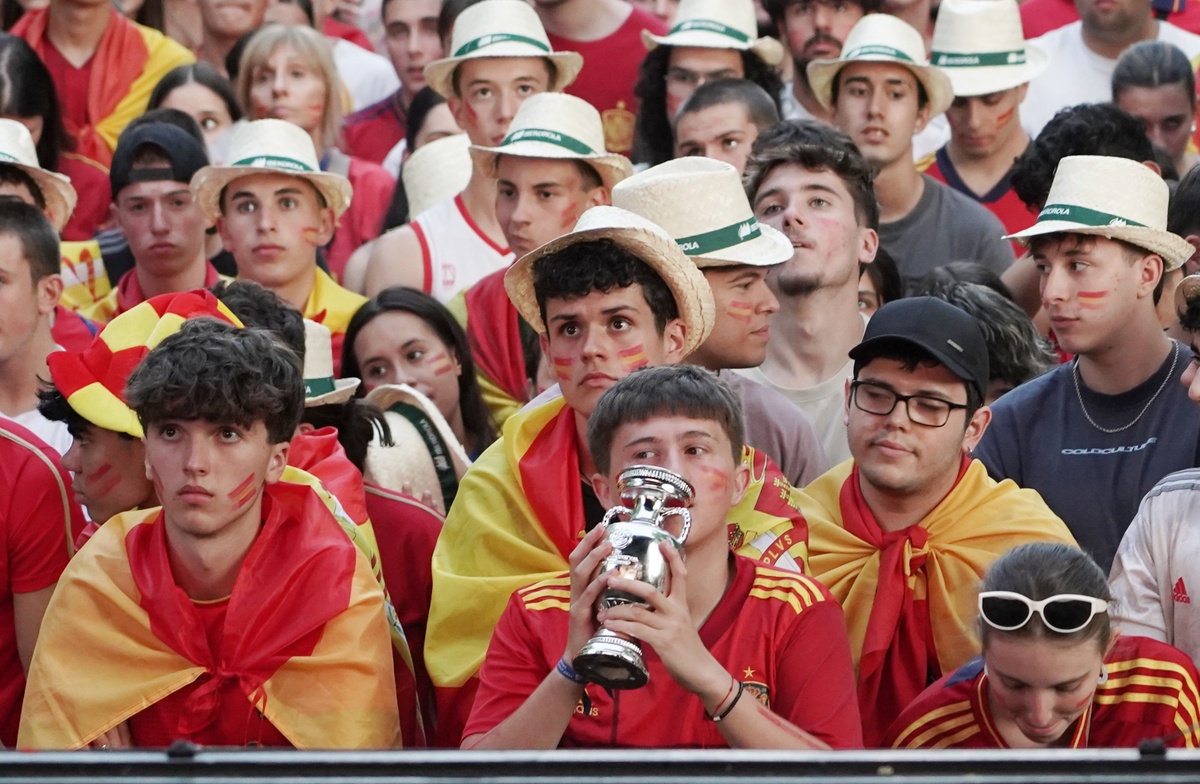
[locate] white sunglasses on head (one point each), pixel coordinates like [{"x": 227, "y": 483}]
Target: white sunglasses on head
[{"x": 1064, "y": 613}]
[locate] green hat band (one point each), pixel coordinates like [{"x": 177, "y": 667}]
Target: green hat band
[
  {"x": 274, "y": 162},
  {"x": 315, "y": 387},
  {"x": 11, "y": 158},
  {"x": 548, "y": 136},
  {"x": 703, "y": 244},
  {"x": 878, "y": 49},
  {"x": 499, "y": 38},
  {"x": 709, "y": 26},
  {"x": 958, "y": 60},
  {"x": 1083, "y": 216}
]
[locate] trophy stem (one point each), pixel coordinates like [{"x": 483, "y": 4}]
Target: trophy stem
[{"x": 612, "y": 661}]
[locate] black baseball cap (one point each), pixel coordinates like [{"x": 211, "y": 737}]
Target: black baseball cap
[
  {"x": 948, "y": 333},
  {"x": 186, "y": 154}
]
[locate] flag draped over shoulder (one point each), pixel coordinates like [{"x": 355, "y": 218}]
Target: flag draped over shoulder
[
  {"x": 305, "y": 638},
  {"x": 519, "y": 514},
  {"x": 493, "y": 329},
  {"x": 904, "y": 590},
  {"x": 129, "y": 61}
]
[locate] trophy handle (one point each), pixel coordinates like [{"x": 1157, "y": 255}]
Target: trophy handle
[
  {"x": 687, "y": 521},
  {"x": 611, "y": 513}
]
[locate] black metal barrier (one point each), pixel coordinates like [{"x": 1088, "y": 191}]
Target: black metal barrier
[{"x": 183, "y": 764}]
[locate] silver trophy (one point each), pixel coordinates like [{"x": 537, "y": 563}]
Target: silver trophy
[{"x": 610, "y": 659}]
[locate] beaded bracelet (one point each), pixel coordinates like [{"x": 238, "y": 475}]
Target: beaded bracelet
[
  {"x": 721, "y": 716},
  {"x": 568, "y": 672}
]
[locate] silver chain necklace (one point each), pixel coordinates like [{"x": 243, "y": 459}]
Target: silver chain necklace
[{"x": 1145, "y": 408}]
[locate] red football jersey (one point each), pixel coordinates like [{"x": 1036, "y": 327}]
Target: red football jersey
[
  {"x": 780, "y": 633},
  {"x": 1150, "y": 693}
]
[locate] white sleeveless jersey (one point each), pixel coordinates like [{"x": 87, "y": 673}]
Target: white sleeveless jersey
[{"x": 457, "y": 254}]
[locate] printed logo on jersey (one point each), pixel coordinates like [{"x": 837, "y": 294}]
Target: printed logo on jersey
[
  {"x": 757, "y": 689},
  {"x": 1181, "y": 594}
]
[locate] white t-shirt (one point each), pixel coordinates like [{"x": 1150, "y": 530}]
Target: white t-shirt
[
  {"x": 55, "y": 434},
  {"x": 1078, "y": 75},
  {"x": 369, "y": 77},
  {"x": 824, "y": 405}
]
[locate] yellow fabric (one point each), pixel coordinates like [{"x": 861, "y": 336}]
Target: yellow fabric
[
  {"x": 493, "y": 544},
  {"x": 975, "y": 524},
  {"x": 500, "y": 403},
  {"x": 337, "y": 303},
  {"x": 86, "y": 678},
  {"x": 85, "y": 279},
  {"x": 163, "y": 55}
]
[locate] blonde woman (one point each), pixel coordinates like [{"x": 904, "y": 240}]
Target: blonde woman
[{"x": 287, "y": 73}]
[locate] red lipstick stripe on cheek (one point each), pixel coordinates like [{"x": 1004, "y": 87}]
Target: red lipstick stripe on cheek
[
  {"x": 242, "y": 494},
  {"x": 441, "y": 364},
  {"x": 562, "y": 367},
  {"x": 718, "y": 479},
  {"x": 633, "y": 358},
  {"x": 1090, "y": 299},
  {"x": 100, "y": 489},
  {"x": 311, "y": 235},
  {"x": 1005, "y": 118},
  {"x": 741, "y": 311}
]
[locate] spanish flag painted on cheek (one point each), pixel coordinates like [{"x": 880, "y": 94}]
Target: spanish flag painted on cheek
[
  {"x": 305, "y": 638},
  {"x": 516, "y": 519}
]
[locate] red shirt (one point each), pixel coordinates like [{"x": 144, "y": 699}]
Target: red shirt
[
  {"x": 71, "y": 330},
  {"x": 610, "y": 71},
  {"x": 1002, "y": 200},
  {"x": 1150, "y": 693},
  {"x": 71, "y": 84},
  {"x": 90, "y": 181},
  {"x": 335, "y": 28},
  {"x": 38, "y": 523},
  {"x": 360, "y": 224},
  {"x": 1039, "y": 17},
  {"x": 780, "y": 633},
  {"x": 372, "y": 132},
  {"x": 238, "y": 722}
]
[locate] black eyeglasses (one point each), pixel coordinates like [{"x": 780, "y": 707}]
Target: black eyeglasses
[
  {"x": 1063, "y": 613},
  {"x": 881, "y": 401}
]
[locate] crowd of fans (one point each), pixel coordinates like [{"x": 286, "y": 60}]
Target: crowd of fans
[{"x": 329, "y": 330}]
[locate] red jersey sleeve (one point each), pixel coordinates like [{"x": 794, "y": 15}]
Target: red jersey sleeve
[
  {"x": 518, "y": 659},
  {"x": 816, "y": 685},
  {"x": 41, "y": 517}
]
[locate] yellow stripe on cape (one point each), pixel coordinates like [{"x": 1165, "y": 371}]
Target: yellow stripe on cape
[
  {"x": 974, "y": 525},
  {"x": 163, "y": 54},
  {"x": 493, "y": 544},
  {"x": 86, "y": 677}
]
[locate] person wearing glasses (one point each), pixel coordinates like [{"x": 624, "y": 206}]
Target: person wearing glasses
[
  {"x": 902, "y": 533},
  {"x": 1053, "y": 671}
]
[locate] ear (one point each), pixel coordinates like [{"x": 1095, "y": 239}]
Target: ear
[
  {"x": 277, "y": 462},
  {"x": 922, "y": 119},
  {"x": 223, "y": 233},
  {"x": 325, "y": 226},
  {"x": 674, "y": 338},
  {"x": 48, "y": 290},
  {"x": 1191, "y": 264},
  {"x": 846, "y": 411},
  {"x": 1150, "y": 271},
  {"x": 304, "y": 428},
  {"x": 544, "y": 342},
  {"x": 599, "y": 197},
  {"x": 1152, "y": 166},
  {"x": 458, "y": 108},
  {"x": 868, "y": 246},
  {"x": 741, "y": 481},
  {"x": 605, "y": 492},
  {"x": 976, "y": 427}
]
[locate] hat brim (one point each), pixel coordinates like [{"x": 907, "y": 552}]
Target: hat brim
[
  {"x": 986, "y": 79},
  {"x": 93, "y": 401},
  {"x": 696, "y": 312},
  {"x": 768, "y": 49},
  {"x": 58, "y": 193},
  {"x": 209, "y": 182},
  {"x": 343, "y": 390},
  {"x": 611, "y": 167},
  {"x": 439, "y": 74},
  {"x": 770, "y": 248},
  {"x": 821, "y": 74},
  {"x": 1173, "y": 249}
]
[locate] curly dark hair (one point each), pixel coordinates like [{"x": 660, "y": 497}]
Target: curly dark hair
[
  {"x": 817, "y": 146},
  {"x": 212, "y": 371},
  {"x": 256, "y": 305},
  {"x": 602, "y": 265},
  {"x": 1086, "y": 129},
  {"x": 653, "y": 140}
]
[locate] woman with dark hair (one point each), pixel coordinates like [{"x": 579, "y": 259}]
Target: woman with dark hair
[
  {"x": 404, "y": 336},
  {"x": 878, "y": 283},
  {"x": 429, "y": 119},
  {"x": 27, "y": 95},
  {"x": 203, "y": 93},
  {"x": 1052, "y": 672},
  {"x": 1154, "y": 82},
  {"x": 711, "y": 39}
]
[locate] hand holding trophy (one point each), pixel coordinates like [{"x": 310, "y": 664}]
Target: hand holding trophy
[{"x": 610, "y": 659}]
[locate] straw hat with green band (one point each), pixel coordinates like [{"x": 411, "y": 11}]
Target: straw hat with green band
[
  {"x": 269, "y": 147},
  {"x": 500, "y": 28},
  {"x": 718, "y": 24},
  {"x": 320, "y": 387},
  {"x": 1117, "y": 198},
  {"x": 701, "y": 203},
  {"x": 17, "y": 149},
  {"x": 637, "y": 235},
  {"x": 883, "y": 38},
  {"x": 556, "y": 125},
  {"x": 981, "y": 47}
]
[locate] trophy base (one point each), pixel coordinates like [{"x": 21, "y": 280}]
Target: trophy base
[{"x": 612, "y": 662}]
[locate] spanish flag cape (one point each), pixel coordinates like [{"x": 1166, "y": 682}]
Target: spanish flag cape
[
  {"x": 909, "y": 595},
  {"x": 129, "y": 61},
  {"x": 519, "y": 514},
  {"x": 493, "y": 329},
  {"x": 332, "y": 306},
  {"x": 305, "y": 637}
]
